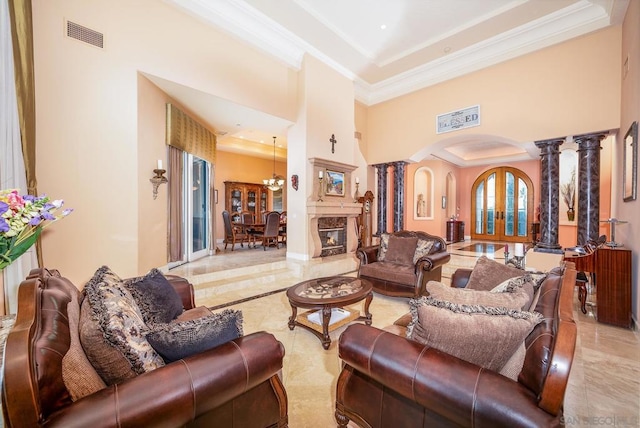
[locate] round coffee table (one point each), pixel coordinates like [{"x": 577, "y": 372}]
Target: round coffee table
[{"x": 324, "y": 294}]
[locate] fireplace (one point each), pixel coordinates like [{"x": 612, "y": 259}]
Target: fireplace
[
  {"x": 332, "y": 216},
  {"x": 333, "y": 235}
]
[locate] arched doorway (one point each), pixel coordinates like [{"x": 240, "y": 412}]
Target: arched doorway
[{"x": 502, "y": 205}]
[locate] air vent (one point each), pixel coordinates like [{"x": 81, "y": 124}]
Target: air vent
[{"x": 84, "y": 34}]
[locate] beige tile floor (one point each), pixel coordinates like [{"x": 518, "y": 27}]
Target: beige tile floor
[{"x": 604, "y": 386}]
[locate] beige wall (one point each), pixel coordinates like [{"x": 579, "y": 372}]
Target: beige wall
[
  {"x": 88, "y": 127},
  {"x": 629, "y": 234},
  {"x": 567, "y": 89}
]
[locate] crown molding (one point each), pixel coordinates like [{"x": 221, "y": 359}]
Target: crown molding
[{"x": 245, "y": 23}]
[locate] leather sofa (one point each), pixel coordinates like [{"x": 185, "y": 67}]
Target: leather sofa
[
  {"x": 236, "y": 384},
  {"x": 389, "y": 380},
  {"x": 403, "y": 279}
]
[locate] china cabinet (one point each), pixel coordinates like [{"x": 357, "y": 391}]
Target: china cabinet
[{"x": 249, "y": 197}]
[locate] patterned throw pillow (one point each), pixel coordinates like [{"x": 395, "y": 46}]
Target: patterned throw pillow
[
  {"x": 485, "y": 336},
  {"x": 384, "y": 246},
  {"x": 120, "y": 319},
  {"x": 422, "y": 249},
  {"x": 157, "y": 299},
  {"x": 180, "y": 339}
]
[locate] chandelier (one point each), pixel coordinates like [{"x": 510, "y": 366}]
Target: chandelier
[{"x": 276, "y": 182}]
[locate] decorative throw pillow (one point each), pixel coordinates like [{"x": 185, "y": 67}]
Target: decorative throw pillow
[
  {"x": 384, "y": 244},
  {"x": 157, "y": 299},
  {"x": 488, "y": 273},
  {"x": 485, "y": 336},
  {"x": 78, "y": 374},
  {"x": 121, "y": 321},
  {"x": 423, "y": 247},
  {"x": 180, "y": 339},
  {"x": 517, "y": 299},
  {"x": 401, "y": 250},
  {"x": 108, "y": 361}
]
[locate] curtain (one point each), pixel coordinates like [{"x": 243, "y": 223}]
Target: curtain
[
  {"x": 175, "y": 243},
  {"x": 187, "y": 134},
  {"x": 13, "y": 173}
]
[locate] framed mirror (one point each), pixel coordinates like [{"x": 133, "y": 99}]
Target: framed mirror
[{"x": 630, "y": 171}]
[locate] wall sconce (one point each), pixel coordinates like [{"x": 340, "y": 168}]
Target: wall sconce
[{"x": 158, "y": 179}]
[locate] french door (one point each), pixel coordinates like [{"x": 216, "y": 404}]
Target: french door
[
  {"x": 197, "y": 207},
  {"x": 502, "y": 205}
]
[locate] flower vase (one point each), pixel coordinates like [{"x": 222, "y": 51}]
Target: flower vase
[{"x": 571, "y": 214}]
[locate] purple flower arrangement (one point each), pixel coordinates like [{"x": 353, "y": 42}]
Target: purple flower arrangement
[{"x": 22, "y": 219}]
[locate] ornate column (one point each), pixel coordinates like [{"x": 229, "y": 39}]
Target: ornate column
[
  {"x": 549, "y": 195},
  {"x": 398, "y": 192},
  {"x": 381, "y": 171},
  {"x": 588, "y": 186}
]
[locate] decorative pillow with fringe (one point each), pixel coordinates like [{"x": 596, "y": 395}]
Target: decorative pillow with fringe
[
  {"x": 180, "y": 339},
  {"x": 518, "y": 298},
  {"x": 482, "y": 335},
  {"x": 120, "y": 319}
]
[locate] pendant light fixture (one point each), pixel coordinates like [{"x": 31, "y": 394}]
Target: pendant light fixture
[{"x": 276, "y": 182}]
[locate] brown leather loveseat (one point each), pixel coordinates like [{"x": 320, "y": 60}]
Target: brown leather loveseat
[
  {"x": 388, "y": 380},
  {"x": 236, "y": 384},
  {"x": 408, "y": 261}
]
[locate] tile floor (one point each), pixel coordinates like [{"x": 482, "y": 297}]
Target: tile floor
[{"x": 604, "y": 387}]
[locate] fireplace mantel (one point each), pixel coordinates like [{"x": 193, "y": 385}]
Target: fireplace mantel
[{"x": 318, "y": 209}]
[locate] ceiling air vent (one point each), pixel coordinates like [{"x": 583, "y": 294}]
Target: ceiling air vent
[{"x": 84, "y": 34}]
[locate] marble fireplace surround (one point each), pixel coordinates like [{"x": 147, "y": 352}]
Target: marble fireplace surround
[{"x": 332, "y": 206}]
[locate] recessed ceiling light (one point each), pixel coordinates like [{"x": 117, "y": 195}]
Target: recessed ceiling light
[
  {"x": 383, "y": 27},
  {"x": 447, "y": 49}
]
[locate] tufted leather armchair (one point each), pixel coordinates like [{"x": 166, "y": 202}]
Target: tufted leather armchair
[{"x": 234, "y": 385}]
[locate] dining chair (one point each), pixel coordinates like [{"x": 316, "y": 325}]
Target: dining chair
[
  {"x": 271, "y": 230},
  {"x": 247, "y": 217},
  {"x": 283, "y": 228},
  {"x": 233, "y": 234}
]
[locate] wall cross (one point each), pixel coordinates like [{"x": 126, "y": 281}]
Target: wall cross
[{"x": 333, "y": 143}]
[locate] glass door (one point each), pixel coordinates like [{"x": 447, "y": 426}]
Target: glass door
[
  {"x": 501, "y": 205},
  {"x": 197, "y": 207}
]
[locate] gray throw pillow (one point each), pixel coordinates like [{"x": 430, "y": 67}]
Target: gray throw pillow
[
  {"x": 485, "y": 336},
  {"x": 488, "y": 273},
  {"x": 157, "y": 299},
  {"x": 516, "y": 299},
  {"x": 401, "y": 250},
  {"x": 180, "y": 339}
]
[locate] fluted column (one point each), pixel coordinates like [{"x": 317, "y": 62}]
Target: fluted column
[
  {"x": 381, "y": 170},
  {"x": 398, "y": 192},
  {"x": 549, "y": 195},
  {"x": 588, "y": 186}
]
